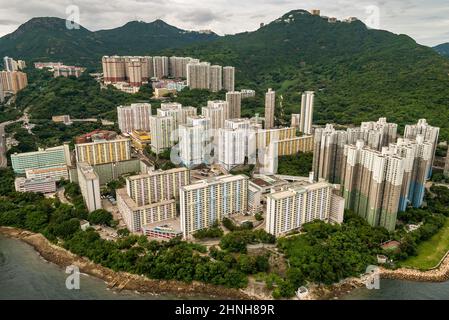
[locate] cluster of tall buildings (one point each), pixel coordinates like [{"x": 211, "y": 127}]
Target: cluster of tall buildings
[
  {"x": 134, "y": 117},
  {"x": 138, "y": 70},
  {"x": 12, "y": 79},
  {"x": 380, "y": 174},
  {"x": 203, "y": 75}
]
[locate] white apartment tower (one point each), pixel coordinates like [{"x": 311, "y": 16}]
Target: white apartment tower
[
  {"x": 134, "y": 117},
  {"x": 231, "y": 147},
  {"x": 306, "y": 118},
  {"x": 207, "y": 201},
  {"x": 89, "y": 183},
  {"x": 296, "y": 204},
  {"x": 161, "y": 133},
  {"x": 160, "y": 67},
  {"x": 198, "y": 75},
  {"x": 216, "y": 114}
]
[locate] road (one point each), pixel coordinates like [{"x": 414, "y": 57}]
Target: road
[{"x": 3, "y": 159}]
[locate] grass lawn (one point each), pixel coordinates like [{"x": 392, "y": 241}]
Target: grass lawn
[{"x": 431, "y": 251}]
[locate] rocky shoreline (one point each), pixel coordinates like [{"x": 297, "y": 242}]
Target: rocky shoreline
[
  {"x": 122, "y": 280},
  {"x": 127, "y": 281}
]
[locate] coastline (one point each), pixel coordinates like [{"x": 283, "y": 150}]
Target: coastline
[
  {"x": 123, "y": 280},
  {"x": 127, "y": 281},
  {"x": 438, "y": 274}
]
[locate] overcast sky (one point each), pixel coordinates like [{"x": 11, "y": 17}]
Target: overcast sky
[{"x": 427, "y": 21}]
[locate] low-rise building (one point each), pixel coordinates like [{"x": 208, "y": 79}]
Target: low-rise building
[
  {"x": 40, "y": 185},
  {"x": 140, "y": 139}
]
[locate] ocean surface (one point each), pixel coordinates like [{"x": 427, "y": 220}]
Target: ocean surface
[
  {"x": 24, "y": 274},
  {"x": 402, "y": 290}
]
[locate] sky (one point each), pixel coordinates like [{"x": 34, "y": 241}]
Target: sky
[{"x": 427, "y": 21}]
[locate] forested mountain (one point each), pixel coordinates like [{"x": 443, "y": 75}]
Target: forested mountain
[
  {"x": 49, "y": 39},
  {"x": 358, "y": 73}
]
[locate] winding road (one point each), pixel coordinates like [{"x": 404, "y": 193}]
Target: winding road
[{"x": 3, "y": 149}]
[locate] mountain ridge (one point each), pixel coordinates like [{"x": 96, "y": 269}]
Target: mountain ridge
[{"x": 47, "y": 38}]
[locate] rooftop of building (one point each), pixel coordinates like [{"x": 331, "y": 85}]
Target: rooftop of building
[
  {"x": 87, "y": 171},
  {"x": 157, "y": 172},
  {"x": 40, "y": 150},
  {"x": 297, "y": 187},
  {"x": 46, "y": 170},
  {"x": 214, "y": 180},
  {"x": 132, "y": 205}
]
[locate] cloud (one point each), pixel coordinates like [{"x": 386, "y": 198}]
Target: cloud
[
  {"x": 425, "y": 21},
  {"x": 200, "y": 16}
]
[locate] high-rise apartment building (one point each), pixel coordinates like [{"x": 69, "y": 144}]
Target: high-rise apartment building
[
  {"x": 231, "y": 147},
  {"x": 328, "y": 150},
  {"x": 194, "y": 142},
  {"x": 138, "y": 217},
  {"x": 306, "y": 118},
  {"x": 207, "y": 201},
  {"x": 216, "y": 78},
  {"x": 429, "y": 133},
  {"x": 113, "y": 69},
  {"x": 417, "y": 155},
  {"x": 229, "y": 78},
  {"x": 178, "y": 66},
  {"x": 198, "y": 75},
  {"x": 177, "y": 112},
  {"x": 13, "y": 81},
  {"x": 160, "y": 67},
  {"x": 372, "y": 183},
  {"x": 215, "y": 112},
  {"x": 295, "y": 120},
  {"x": 162, "y": 128},
  {"x": 152, "y": 197},
  {"x": 234, "y": 100},
  {"x": 375, "y": 134},
  {"x": 55, "y": 157},
  {"x": 296, "y": 204},
  {"x": 134, "y": 72},
  {"x": 270, "y": 103},
  {"x": 103, "y": 151},
  {"x": 223, "y": 104},
  {"x": 89, "y": 183},
  {"x": 134, "y": 117},
  {"x": 157, "y": 186},
  {"x": 10, "y": 64}
]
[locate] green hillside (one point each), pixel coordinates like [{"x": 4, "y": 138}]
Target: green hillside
[
  {"x": 359, "y": 74},
  {"x": 442, "y": 49}
]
